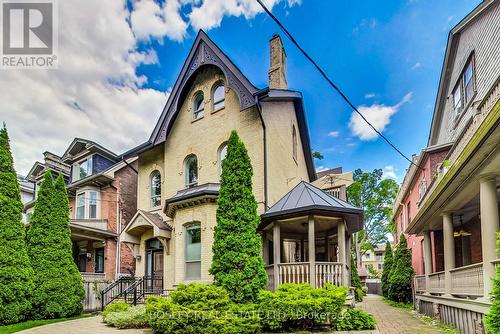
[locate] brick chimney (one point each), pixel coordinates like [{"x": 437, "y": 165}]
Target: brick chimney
[{"x": 277, "y": 69}]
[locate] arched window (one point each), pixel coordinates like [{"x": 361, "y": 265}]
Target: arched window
[
  {"x": 198, "y": 106},
  {"x": 191, "y": 171},
  {"x": 222, "y": 156},
  {"x": 294, "y": 142},
  {"x": 155, "y": 189},
  {"x": 218, "y": 96}
]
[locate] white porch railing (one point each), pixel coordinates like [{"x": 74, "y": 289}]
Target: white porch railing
[
  {"x": 328, "y": 272},
  {"x": 420, "y": 284},
  {"x": 467, "y": 280},
  {"x": 299, "y": 272},
  {"x": 436, "y": 282},
  {"x": 294, "y": 272}
]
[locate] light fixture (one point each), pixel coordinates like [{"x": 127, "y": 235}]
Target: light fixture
[{"x": 462, "y": 232}]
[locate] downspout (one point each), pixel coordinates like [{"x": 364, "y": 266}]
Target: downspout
[{"x": 264, "y": 143}]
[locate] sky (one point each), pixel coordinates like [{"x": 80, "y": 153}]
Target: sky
[{"x": 118, "y": 61}]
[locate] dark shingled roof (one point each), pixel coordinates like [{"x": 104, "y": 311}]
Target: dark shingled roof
[
  {"x": 306, "y": 199},
  {"x": 157, "y": 220}
]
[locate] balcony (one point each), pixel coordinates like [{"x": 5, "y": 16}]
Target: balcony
[{"x": 100, "y": 224}]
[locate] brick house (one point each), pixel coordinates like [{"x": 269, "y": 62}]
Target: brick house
[
  {"x": 179, "y": 173},
  {"x": 455, "y": 217},
  {"x": 102, "y": 191}
]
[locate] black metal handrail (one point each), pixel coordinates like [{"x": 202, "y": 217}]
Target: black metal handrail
[
  {"x": 115, "y": 289},
  {"x": 135, "y": 291}
]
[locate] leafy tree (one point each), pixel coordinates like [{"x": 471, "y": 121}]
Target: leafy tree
[
  {"x": 237, "y": 263},
  {"x": 401, "y": 274},
  {"x": 372, "y": 272},
  {"x": 58, "y": 285},
  {"x": 317, "y": 155},
  {"x": 387, "y": 269},
  {"x": 375, "y": 196},
  {"x": 15, "y": 268},
  {"x": 493, "y": 317}
]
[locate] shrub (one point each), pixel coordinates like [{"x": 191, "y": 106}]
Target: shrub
[
  {"x": 237, "y": 263},
  {"x": 355, "y": 319},
  {"x": 356, "y": 281},
  {"x": 493, "y": 317},
  {"x": 365, "y": 290},
  {"x": 198, "y": 308},
  {"x": 401, "y": 274},
  {"x": 358, "y": 294},
  {"x": 387, "y": 269},
  {"x": 15, "y": 268},
  {"x": 117, "y": 306},
  {"x": 58, "y": 289},
  {"x": 132, "y": 317},
  {"x": 299, "y": 306}
]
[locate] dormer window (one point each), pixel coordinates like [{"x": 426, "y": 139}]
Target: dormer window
[
  {"x": 218, "y": 96},
  {"x": 82, "y": 169},
  {"x": 198, "y": 106}
]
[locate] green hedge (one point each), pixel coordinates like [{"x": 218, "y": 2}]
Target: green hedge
[
  {"x": 132, "y": 317},
  {"x": 117, "y": 306},
  {"x": 492, "y": 319},
  {"x": 355, "y": 319}
]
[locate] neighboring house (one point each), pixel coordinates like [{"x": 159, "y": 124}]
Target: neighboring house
[
  {"x": 179, "y": 173},
  {"x": 373, "y": 258},
  {"x": 334, "y": 182},
  {"x": 27, "y": 189},
  {"x": 102, "y": 191},
  {"x": 408, "y": 199},
  {"x": 458, "y": 213}
]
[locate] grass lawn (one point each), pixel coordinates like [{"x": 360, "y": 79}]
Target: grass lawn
[{"x": 35, "y": 323}]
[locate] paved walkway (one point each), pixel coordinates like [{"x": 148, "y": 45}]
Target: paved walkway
[
  {"x": 82, "y": 326},
  {"x": 392, "y": 320}
]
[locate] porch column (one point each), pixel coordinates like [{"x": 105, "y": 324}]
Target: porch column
[
  {"x": 427, "y": 259},
  {"x": 489, "y": 228},
  {"x": 449, "y": 250},
  {"x": 277, "y": 253},
  {"x": 342, "y": 252},
  {"x": 312, "y": 252}
]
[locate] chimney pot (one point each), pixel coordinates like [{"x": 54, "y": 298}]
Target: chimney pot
[{"x": 277, "y": 69}]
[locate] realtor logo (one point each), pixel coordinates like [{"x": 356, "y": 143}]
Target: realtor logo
[{"x": 28, "y": 35}]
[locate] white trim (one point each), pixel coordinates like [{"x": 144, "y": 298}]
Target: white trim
[{"x": 86, "y": 197}]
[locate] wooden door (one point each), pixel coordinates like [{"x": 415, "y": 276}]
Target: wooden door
[{"x": 158, "y": 270}]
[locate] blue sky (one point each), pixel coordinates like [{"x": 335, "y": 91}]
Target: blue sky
[
  {"x": 376, "y": 51},
  {"x": 118, "y": 60}
]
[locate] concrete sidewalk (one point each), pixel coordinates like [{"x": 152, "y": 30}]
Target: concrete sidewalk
[{"x": 88, "y": 325}]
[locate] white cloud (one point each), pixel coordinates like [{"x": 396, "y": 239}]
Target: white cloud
[
  {"x": 416, "y": 65},
  {"x": 378, "y": 115},
  {"x": 333, "y": 134},
  {"x": 211, "y": 12},
  {"x": 389, "y": 172},
  {"x": 370, "y": 95}
]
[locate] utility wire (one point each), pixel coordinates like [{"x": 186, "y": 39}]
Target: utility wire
[{"x": 346, "y": 99}]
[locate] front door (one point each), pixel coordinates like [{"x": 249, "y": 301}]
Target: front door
[
  {"x": 158, "y": 270},
  {"x": 154, "y": 265}
]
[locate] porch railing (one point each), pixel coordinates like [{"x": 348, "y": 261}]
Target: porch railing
[
  {"x": 294, "y": 272},
  {"x": 299, "y": 272},
  {"x": 436, "y": 282},
  {"x": 467, "y": 280},
  {"x": 420, "y": 283},
  {"x": 328, "y": 272}
]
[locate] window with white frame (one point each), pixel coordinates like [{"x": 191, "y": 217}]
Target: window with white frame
[
  {"x": 198, "y": 106},
  {"x": 457, "y": 99},
  {"x": 222, "y": 156},
  {"x": 464, "y": 89},
  {"x": 87, "y": 205},
  {"x": 191, "y": 171},
  {"x": 218, "y": 96},
  {"x": 155, "y": 189},
  {"x": 193, "y": 251},
  {"x": 82, "y": 169}
]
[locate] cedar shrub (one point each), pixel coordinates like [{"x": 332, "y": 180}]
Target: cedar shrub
[
  {"x": 356, "y": 281},
  {"x": 237, "y": 264},
  {"x": 387, "y": 269},
  {"x": 401, "y": 274},
  {"x": 492, "y": 319},
  {"x": 58, "y": 289},
  {"x": 15, "y": 268}
]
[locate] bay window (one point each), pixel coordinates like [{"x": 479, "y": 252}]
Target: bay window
[{"x": 87, "y": 205}]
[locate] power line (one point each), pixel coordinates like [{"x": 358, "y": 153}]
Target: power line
[{"x": 346, "y": 99}]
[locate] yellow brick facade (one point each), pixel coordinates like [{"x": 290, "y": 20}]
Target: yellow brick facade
[{"x": 203, "y": 138}]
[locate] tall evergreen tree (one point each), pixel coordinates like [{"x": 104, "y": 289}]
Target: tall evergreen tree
[
  {"x": 401, "y": 274},
  {"x": 15, "y": 268},
  {"x": 356, "y": 281},
  {"x": 58, "y": 285},
  {"x": 237, "y": 264},
  {"x": 493, "y": 317},
  {"x": 387, "y": 269}
]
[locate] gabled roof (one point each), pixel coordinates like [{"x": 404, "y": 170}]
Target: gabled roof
[
  {"x": 451, "y": 48},
  {"x": 203, "y": 52},
  {"x": 79, "y": 144},
  {"x": 306, "y": 199}
]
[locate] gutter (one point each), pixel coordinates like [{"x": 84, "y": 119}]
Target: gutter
[{"x": 264, "y": 144}]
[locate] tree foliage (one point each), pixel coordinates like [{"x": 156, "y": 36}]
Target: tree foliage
[
  {"x": 58, "y": 285},
  {"x": 387, "y": 269},
  {"x": 493, "y": 317},
  {"x": 375, "y": 196},
  {"x": 401, "y": 274},
  {"x": 356, "y": 281},
  {"x": 317, "y": 155},
  {"x": 237, "y": 263},
  {"x": 15, "y": 268}
]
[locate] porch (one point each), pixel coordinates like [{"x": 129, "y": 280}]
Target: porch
[{"x": 307, "y": 238}]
